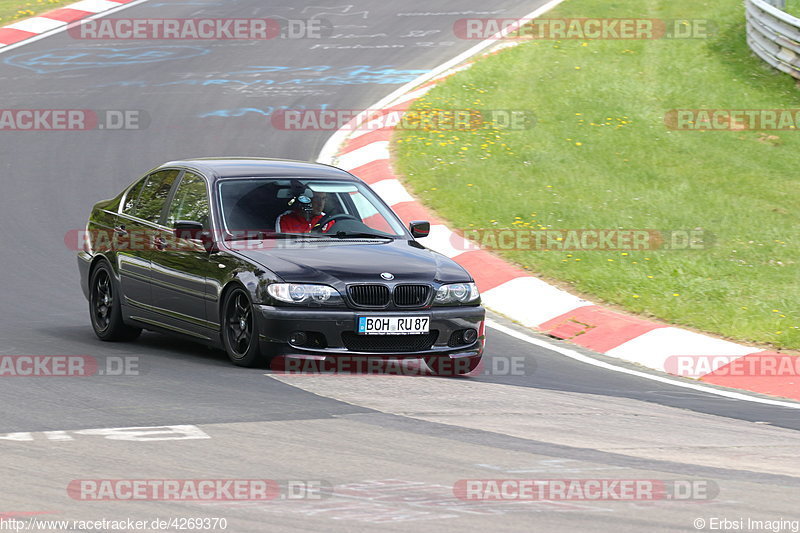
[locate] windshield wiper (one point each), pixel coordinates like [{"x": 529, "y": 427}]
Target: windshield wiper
[
  {"x": 263, "y": 235},
  {"x": 363, "y": 235}
]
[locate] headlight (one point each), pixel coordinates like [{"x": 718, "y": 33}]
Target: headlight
[
  {"x": 456, "y": 293},
  {"x": 295, "y": 293}
]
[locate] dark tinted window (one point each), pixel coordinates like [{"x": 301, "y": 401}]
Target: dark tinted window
[
  {"x": 154, "y": 194},
  {"x": 129, "y": 206},
  {"x": 190, "y": 201}
]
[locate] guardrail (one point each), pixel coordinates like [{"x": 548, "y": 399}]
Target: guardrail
[{"x": 774, "y": 35}]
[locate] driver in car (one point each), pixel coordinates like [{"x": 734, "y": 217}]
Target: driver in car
[{"x": 304, "y": 215}]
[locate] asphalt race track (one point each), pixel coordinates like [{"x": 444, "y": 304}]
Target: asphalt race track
[{"x": 391, "y": 447}]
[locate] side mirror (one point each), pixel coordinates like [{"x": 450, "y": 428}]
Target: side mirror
[
  {"x": 419, "y": 228},
  {"x": 188, "y": 229}
]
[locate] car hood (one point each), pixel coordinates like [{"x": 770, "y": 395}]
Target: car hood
[{"x": 355, "y": 262}]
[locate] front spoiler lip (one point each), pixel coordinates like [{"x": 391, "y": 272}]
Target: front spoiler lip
[{"x": 316, "y": 355}]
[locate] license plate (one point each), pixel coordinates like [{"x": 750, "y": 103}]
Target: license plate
[{"x": 393, "y": 325}]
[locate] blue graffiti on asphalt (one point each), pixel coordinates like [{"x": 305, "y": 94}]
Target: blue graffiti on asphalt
[
  {"x": 61, "y": 59},
  {"x": 269, "y": 69},
  {"x": 242, "y": 111},
  {"x": 307, "y": 76}
]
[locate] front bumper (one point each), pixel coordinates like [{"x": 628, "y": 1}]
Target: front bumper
[
  {"x": 333, "y": 330},
  {"x": 84, "y": 264}
]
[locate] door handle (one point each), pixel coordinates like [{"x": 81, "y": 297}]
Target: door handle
[{"x": 120, "y": 230}]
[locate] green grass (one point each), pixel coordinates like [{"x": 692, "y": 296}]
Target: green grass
[
  {"x": 13, "y": 10},
  {"x": 629, "y": 171},
  {"x": 793, "y": 7}
]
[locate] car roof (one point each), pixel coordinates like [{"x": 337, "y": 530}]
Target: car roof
[{"x": 248, "y": 167}]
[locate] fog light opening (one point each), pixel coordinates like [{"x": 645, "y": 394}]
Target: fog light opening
[
  {"x": 298, "y": 338},
  {"x": 470, "y": 336}
]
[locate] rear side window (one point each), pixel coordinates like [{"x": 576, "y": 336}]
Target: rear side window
[
  {"x": 131, "y": 199},
  {"x": 190, "y": 201},
  {"x": 154, "y": 194}
]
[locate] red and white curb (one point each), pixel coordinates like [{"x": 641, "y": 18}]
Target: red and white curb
[
  {"x": 362, "y": 148},
  {"x": 57, "y": 20}
]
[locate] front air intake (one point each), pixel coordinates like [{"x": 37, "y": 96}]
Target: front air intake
[{"x": 369, "y": 295}]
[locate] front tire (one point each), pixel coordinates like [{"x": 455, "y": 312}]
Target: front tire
[
  {"x": 240, "y": 330},
  {"x": 105, "y": 307}
]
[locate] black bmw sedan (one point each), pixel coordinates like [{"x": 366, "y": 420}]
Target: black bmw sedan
[{"x": 266, "y": 258}]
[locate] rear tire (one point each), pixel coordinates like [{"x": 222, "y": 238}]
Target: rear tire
[
  {"x": 105, "y": 307},
  {"x": 445, "y": 366},
  {"x": 240, "y": 330}
]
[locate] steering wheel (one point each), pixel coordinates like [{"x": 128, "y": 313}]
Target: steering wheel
[{"x": 328, "y": 218}]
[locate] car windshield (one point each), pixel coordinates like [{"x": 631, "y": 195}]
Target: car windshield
[{"x": 284, "y": 207}]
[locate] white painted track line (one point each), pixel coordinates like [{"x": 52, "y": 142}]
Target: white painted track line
[{"x": 572, "y": 354}]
